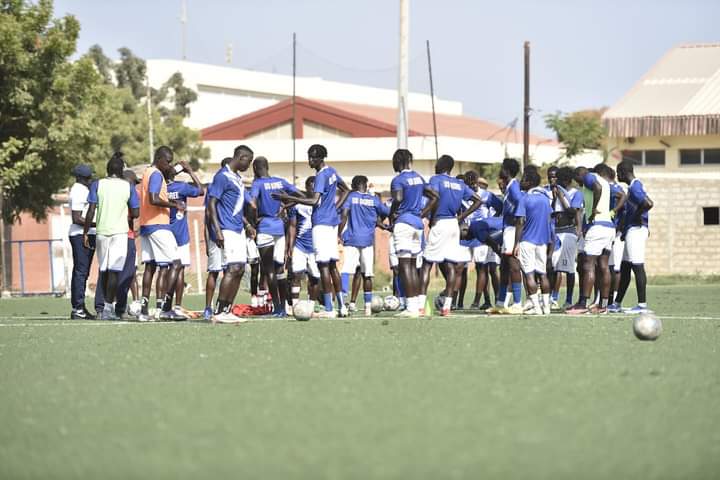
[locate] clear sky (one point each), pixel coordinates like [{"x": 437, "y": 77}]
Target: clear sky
[{"x": 585, "y": 53}]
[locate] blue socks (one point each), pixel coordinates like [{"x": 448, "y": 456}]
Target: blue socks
[
  {"x": 327, "y": 301},
  {"x": 501, "y": 294},
  {"x": 398, "y": 287},
  {"x": 340, "y": 299},
  {"x": 368, "y": 298},
  {"x": 345, "y": 282},
  {"x": 517, "y": 292}
]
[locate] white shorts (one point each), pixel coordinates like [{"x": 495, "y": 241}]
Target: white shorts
[
  {"x": 235, "y": 250},
  {"x": 492, "y": 257},
  {"x": 635, "y": 240},
  {"x": 443, "y": 243},
  {"x": 363, "y": 257},
  {"x": 325, "y": 243},
  {"x": 617, "y": 253},
  {"x": 564, "y": 258},
  {"x": 253, "y": 255},
  {"x": 599, "y": 238},
  {"x": 304, "y": 262},
  {"x": 581, "y": 245},
  {"x": 214, "y": 263},
  {"x": 111, "y": 251},
  {"x": 184, "y": 252},
  {"x": 480, "y": 254},
  {"x": 407, "y": 240},
  {"x": 465, "y": 254},
  {"x": 263, "y": 240},
  {"x": 533, "y": 258},
  {"x": 159, "y": 247},
  {"x": 508, "y": 240},
  {"x": 391, "y": 253}
]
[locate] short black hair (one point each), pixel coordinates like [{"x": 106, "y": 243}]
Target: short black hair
[
  {"x": 116, "y": 164},
  {"x": 531, "y": 167},
  {"x": 225, "y": 161},
  {"x": 242, "y": 149},
  {"x": 130, "y": 176},
  {"x": 163, "y": 151},
  {"x": 602, "y": 169},
  {"x": 317, "y": 151},
  {"x": 309, "y": 180},
  {"x": 402, "y": 156},
  {"x": 261, "y": 162},
  {"x": 565, "y": 175},
  {"x": 531, "y": 176},
  {"x": 359, "y": 180},
  {"x": 553, "y": 168},
  {"x": 511, "y": 166},
  {"x": 627, "y": 166},
  {"x": 445, "y": 163}
]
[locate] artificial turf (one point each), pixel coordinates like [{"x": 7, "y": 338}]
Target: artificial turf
[{"x": 467, "y": 396}]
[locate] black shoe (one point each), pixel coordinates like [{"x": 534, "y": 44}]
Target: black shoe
[
  {"x": 80, "y": 315},
  {"x": 474, "y": 306},
  {"x": 485, "y": 306},
  {"x": 89, "y": 315}
]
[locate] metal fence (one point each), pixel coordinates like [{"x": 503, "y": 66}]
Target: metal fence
[{"x": 35, "y": 269}]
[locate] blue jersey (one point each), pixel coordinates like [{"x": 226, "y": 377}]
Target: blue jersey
[
  {"x": 228, "y": 189},
  {"x": 535, "y": 208},
  {"x": 325, "y": 212},
  {"x": 636, "y": 195},
  {"x": 178, "y": 220},
  {"x": 452, "y": 192},
  {"x": 482, "y": 212},
  {"x": 154, "y": 186},
  {"x": 576, "y": 201},
  {"x": 513, "y": 194},
  {"x": 363, "y": 212},
  {"x": 268, "y": 208},
  {"x": 490, "y": 227},
  {"x": 302, "y": 214},
  {"x": 412, "y": 186}
]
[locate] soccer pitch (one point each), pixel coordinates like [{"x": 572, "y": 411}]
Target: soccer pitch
[{"x": 466, "y": 396}]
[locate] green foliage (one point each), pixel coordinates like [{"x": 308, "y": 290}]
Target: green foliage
[
  {"x": 55, "y": 113},
  {"x": 578, "y": 131}
]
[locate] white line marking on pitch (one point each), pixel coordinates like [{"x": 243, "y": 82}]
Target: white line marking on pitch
[{"x": 43, "y": 321}]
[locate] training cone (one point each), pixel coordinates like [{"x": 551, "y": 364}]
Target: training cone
[{"x": 429, "y": 307}]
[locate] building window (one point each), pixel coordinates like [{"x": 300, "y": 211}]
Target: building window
[
  {"x": 711, "y": 215},
  {"x": 641, "y": 158},
  {"x": 696, "y": 156}
]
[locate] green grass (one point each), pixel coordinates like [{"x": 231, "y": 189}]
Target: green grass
[{"x": 469, "y": 396}]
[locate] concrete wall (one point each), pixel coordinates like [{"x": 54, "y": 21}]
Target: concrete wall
[{"x": 679, "y": 243}]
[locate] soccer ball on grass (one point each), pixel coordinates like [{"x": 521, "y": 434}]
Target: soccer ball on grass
[
  {"x": 377, "y": 304},
  {"x": 647, "y": 326},
  {"x": 391, "y": 303},
  {"x": 303, "y": 310}
]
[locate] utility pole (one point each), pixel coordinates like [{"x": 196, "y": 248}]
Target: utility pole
[
  {"x": 229, "y": 53},
  {"x": 151, "y": 135},
  {"x": 4, "y": 267},
  {"x": 432, "y": 101},
  {"x": 183, "y": 21},
  {"x": 294, "y": 133},
  {"x": 402, "y": 120},
  {"x": 526, "y": 109}
]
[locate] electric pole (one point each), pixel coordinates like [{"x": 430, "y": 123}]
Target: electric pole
[
  {"x": 402, "y": 120},
  {"x": 526, "y": 108}
]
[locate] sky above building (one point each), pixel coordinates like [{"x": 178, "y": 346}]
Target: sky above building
[{"x": 585, "y": 53}]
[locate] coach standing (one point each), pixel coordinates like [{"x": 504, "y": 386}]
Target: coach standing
[{"x": 82, "y": 256}]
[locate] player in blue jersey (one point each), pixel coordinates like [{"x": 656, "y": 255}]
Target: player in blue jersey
[
  {"x": 598, "y": 241},
  {"x": 300, "y": 247},
  {"x": 214, "y": 255},
  {"x": 486, "y": 231},
  {"x": 568, "y": 214},
  {"x": 227, "y": 220},
  {"x": 510, "y": 272},
  {"x": 181, "y": 191},
  {"x": 329, "y": 194},
  {"x": 634, "y": 226},
  {"x": 443, "y": 243},
  {"x": 270, "y": 238},
  {"x": 408, "y": 189},
  {"x": 360, "y": 214},
  {"x": 532, "y": 239}
]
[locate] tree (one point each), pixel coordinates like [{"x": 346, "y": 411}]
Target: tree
[
  {"x": 579, "y": 131},
  {"x": 45, "y": 127}
]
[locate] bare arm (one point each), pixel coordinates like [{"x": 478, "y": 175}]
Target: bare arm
[
  {"x": 158, "y": 202},
  {"x": 343, "y": 220},
  {"x": 476, "y": 202},
  {"x": 432, "y": 197},
  {"x": 78, "y": 219},
  {"x": 193, "y": 176},
  {"x": 519, "y": 224},
  {"x": 215, "y": 222},
  {"x": 88, "y": 224},
  {"x": 597, "y": 191},
  {"x": 620, "y": 199}
]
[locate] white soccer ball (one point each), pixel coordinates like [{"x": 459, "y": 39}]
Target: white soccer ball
[
  {"x": 303, "y": 310},
  {"x": 647, "y": 326},
  {"x": 135, "y": 308},
  {"x": 377, "y": 305},
  {"x": 391, "y": 303}
]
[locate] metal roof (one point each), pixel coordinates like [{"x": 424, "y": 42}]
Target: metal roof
[{"x": 678, "y": 96}]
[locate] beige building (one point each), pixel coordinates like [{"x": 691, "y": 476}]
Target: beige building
[{"x": 669, "y": 125}]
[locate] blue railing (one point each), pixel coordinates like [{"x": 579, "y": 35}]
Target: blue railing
[{"x": 21, "y": 264}]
